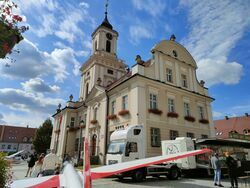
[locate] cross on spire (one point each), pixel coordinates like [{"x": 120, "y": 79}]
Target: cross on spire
[{"x": 106, "y": 7}]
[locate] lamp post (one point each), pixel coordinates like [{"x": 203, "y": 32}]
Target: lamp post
[
  {"x": 65, "y": 150},
  {"x": 80, "y": 140}
]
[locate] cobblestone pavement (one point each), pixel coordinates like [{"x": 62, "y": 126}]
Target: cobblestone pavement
[{"x": 19, "y": 171}]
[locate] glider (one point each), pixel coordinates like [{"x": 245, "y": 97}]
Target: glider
[{"x": 70, "y": 178}]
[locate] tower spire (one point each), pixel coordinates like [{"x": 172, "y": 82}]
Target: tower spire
[{"x": 106, "y": 8}]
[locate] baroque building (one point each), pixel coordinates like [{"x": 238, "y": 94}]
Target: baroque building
[{"x": 162, "y": 93}]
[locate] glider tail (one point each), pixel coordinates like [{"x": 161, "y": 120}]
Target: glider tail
[{"x": 87, "y": 173}]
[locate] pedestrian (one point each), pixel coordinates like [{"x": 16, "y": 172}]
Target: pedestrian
[
  {"x": 232, "y": 169},
  {"x": 50, "y": 163},
  {"x": 216, "y": 165},
  {"x": 31, "y": 163},
  {"x": 38, "y": 166}
]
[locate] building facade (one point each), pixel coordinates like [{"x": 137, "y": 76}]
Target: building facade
[
  {"x": 233, "y": 127},
  {"x": 13, "y": 139},
  {"x": 162, "y": 94}
]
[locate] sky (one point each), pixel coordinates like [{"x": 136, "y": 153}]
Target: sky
[{"x": 46, "y": 71}]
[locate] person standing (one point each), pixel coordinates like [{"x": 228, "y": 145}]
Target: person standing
[
  {"x": 31, "y": 163},
  {"x": 50, "y": 163},
  {"x": 38, "y": 166},
  {"x": 216, "y": 165},
  {"x": 232, "y": 170}
]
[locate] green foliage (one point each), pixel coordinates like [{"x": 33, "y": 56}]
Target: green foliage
[
  {"x": 4, "y": 170},
  {"x": 43, "y": 137}
]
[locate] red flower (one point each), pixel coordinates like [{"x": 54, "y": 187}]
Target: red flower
[
  {"x": 17, "y": 18},
  {"x": 6, "y": 48}
]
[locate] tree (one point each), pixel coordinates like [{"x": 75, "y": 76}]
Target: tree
[
  {"x": 5, "y": 175},
  {"x": 43, "y": 137}
]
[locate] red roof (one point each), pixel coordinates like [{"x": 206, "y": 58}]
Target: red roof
[
  {"x": 238, "y": 124},
  {"x": 17, "y": 134}
]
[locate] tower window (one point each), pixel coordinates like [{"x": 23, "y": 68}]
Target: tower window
[
  {"x": 95, "y": 45},
  {"x": 110, "y": 71},
  {"x": 108, "y": 46}
]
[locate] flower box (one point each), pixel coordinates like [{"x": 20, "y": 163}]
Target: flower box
[
  {"x": 82, "y": 126},
  {"x": 94, "y": 121},
  {"x": 155, "y": 111},
  {"x": 112, "y": 117},
  {"x": 71, "y": 129},
  {"x": 204, "y": 121},
  {"x": 172, "y": 114},
  {"x": 123, "y": 112},
  {"x": 57, "y": 131},
  {"x": 189, "y": 118}
]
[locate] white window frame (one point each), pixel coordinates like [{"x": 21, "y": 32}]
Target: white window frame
[
  {"x": 173, "y": 134},
  {"x": 184, "y": 80},
  {"x": 155, "y": 137},
  {"x": 201, "y": 112},
  {"x": 187, "y": 109},
  {"x": 171, "y": 105},
  {"x": 125, "y": 102},
  {"x": 169, "y": 74},
  {"x": 113, "y": 103},
  {"x": 72, "y": 121},
  {"x": 153, "y": 101}
]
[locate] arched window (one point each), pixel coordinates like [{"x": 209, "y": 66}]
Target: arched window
[
  {"x": 108, "y": 46},
  {"x": 94, "y": 144},
  {"x": 95, "y": 45},
  {"x": 86, "y": 90},
  {"x": 95, "y": 113}
]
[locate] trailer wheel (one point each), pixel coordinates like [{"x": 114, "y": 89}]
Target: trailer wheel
[
  {"x": 173, "y": 174},
  {"x": 138, "y": 176}
]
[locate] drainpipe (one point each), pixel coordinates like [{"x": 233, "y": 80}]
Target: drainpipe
[{"x": 106, "y": 126}]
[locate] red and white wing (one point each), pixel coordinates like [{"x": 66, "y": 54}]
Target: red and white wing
[
  {"x": 69, "y": 179},
  {"x": 47, "y": 181},
  {"x": 104, "y": 171}
]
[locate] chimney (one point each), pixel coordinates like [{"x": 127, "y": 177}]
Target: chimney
[
  {"x": 226, "y": 117},
  {"x": 246, "y": 114}
]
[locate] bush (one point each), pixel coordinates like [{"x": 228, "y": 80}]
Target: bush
[{"x": 5, "y": 176}]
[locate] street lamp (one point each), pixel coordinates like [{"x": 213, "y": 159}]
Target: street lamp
[
  {"x": 67, "y": 130},
  {"x": 80, "y": 140}
]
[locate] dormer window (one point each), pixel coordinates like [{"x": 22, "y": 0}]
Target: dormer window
[{"x": 108, "y": 46}]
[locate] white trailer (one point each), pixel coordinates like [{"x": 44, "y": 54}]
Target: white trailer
[{"x": 128, "y": 144}]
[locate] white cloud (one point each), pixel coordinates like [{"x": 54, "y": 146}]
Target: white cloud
[
  {"x": 32, "y": 119},
  {"x": 153, "y": 7},
  {"x": 32, "y": 63},
  {"x": 84, "y": 4},
  {"x": 215, "y": 28},
  {"x": 47, "y": 26},
  {"x": 1, "y": 119},
  {"x": 217, "y": 115},
  {"x": 38, "y": 85},
  {"x": 138, "y": 32},
  {"x": 25, "y": 101},
  {"x": 219, "y": 71}
]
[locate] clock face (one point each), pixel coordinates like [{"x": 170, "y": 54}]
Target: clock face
[{"x": 109, "y": 36}]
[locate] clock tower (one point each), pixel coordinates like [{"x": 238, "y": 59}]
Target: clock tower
[
  {"x": 104, "y": 38},
  {"x": 103, "y": 67}
]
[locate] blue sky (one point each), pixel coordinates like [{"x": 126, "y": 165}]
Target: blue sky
[{"x": 46, "y": 71}]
